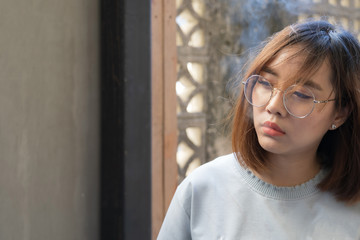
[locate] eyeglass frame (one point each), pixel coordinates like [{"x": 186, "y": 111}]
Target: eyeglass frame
[{"x": 283, "y": 97}]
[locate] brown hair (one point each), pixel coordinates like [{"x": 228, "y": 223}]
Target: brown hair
[{"x": 340, "y": 148}]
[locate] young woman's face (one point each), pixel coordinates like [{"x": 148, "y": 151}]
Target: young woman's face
[{"x": 279, "y": 132}]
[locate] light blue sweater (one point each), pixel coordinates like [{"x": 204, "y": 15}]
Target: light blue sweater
[{"x": 223, "y": 200}]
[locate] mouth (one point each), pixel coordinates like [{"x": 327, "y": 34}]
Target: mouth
[{"x": 272, "y": 129}]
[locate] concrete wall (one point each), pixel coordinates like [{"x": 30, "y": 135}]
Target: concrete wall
[{"x": 49, "y": 119}]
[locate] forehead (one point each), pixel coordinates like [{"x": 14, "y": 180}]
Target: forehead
[{"x": 289, "y": 66}]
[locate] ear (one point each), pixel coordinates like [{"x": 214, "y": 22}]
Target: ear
[{"x": 340, "y": 118}]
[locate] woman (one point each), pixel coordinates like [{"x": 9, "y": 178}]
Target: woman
[{"x": 295, "y": 171}]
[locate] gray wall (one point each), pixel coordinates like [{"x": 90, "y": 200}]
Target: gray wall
[{"x": 49, "y": 119}]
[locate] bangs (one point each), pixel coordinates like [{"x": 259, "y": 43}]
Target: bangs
[{"x": 308, "y": 63}]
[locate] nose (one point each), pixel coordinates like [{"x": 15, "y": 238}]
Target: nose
[{"x": 276, "y": 104}]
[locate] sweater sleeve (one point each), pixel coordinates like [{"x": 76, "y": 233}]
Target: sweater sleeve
[{"x": 176, "y": 224}]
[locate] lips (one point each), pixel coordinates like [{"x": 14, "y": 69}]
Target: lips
[{"x": 272, "y": 129}]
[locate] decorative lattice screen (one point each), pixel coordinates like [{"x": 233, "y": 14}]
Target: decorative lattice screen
[{"x": 191, "y": 87}]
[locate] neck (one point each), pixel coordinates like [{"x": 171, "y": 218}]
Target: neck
[{"x": 290, "y": 170}]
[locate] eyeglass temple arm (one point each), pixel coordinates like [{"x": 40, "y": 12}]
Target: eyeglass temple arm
[{"x": 324, "y": 101}]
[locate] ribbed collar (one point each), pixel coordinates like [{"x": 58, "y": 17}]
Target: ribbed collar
[{"x": 304, "y": 190}]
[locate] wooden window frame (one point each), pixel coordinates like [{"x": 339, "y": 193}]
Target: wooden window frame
[{"x": 164, "y": 117}]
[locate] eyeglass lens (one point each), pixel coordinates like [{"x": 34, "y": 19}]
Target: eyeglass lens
[{"x": 298, "y": 100}]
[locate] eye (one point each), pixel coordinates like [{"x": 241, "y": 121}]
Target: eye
[
  {"x": 264, "y": 83},
  {"x": 301, "y": 95}
]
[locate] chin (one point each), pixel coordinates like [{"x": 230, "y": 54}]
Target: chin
[{"x": 272, "y": 146}]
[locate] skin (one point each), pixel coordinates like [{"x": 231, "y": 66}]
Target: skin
[{"x": 292, "y": 154}]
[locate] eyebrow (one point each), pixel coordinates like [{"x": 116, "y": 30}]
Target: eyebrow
[
  {"x": 308, "y": 83},
  {"x": 270, "y": 70},
  {"x": 314, "y": 85}
]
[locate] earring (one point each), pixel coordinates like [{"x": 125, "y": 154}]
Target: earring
[{"x": 333, "y": 126}]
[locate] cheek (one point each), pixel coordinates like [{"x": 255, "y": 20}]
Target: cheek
[
  {"x": 311, "y": 128},
  {"x": 256, "y": 112},
  {"x": 256, "y": 118},
  {"x": 323, "y": 117}
]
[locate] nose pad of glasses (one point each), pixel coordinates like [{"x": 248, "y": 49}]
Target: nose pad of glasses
[{"x": 276, "y": 91}]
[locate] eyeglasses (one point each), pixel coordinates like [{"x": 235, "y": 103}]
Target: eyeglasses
[{"x": 298, "y": 100}]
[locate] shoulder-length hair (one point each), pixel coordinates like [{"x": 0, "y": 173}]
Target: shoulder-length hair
[{"x": 339, "y": 149}]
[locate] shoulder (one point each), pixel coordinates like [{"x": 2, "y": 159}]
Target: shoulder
[
  {"x": 213, "y": 169},
  {"x": 198, "y": 198},
  {"x": 219, "y": 164},
  {"x": 210, "y": 176},
  {"x": 208, "y": 182}
]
